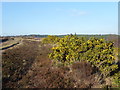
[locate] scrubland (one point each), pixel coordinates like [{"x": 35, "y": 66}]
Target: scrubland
[{"x": 61, "y": 62}]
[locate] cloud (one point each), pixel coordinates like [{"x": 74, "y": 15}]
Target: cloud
[
  {"x": 72, "y": 12},
  {"x": 76, "y": 12}
]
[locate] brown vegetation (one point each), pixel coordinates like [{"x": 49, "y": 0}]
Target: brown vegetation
[
  {"x": 17, "y": 61},
  {"x": 28, "y": 66}
]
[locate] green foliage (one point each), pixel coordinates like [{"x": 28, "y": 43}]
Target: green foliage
[
  {"x": 67, "y": 49},
  {"x": 98, "y": 52},
  {"x": 101, "y": 55},
  {"x": 116, "y": 79},
  {"x": 50, "y": 39}
]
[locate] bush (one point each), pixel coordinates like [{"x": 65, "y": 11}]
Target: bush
[
  {"x": 50, "y": 39},
  {"x": 67, "y": 50},
  {"x": 98, "y": 52},
  {"x": 116, "y": 79},
  {"x": 83, "y": 69}
]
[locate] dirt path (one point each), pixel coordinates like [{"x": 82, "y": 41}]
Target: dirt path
[
  {"x": 9, "y": 44},
  {"x": 43, "y": 74}
]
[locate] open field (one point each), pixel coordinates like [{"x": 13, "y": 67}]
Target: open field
[{"x": 27, "y": 65}]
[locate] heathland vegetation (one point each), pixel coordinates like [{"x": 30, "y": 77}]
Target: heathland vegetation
[
  {"x": 66, "y": 61},
  {"x": 101, "y": 54}
]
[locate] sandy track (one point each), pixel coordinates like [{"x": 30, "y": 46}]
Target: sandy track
[{"x": 10, "y": 43}]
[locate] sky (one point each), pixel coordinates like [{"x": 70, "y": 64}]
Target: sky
[{"x": 57, "y": 18}]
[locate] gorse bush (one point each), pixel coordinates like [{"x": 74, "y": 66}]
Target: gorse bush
[
  {"x": 116, "y": 79},
  {"x": 67, "y": 50},
  {"x": 50, "y": 39},
  {"x": 98, "y": 52},
  {"x": 101, "y": 55}
]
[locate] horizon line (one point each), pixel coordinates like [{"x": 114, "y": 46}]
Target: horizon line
[{"x": 55, "y": 34}]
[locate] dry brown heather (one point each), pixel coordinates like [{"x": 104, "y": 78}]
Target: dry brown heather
[{"x": 28, "y": 66}]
